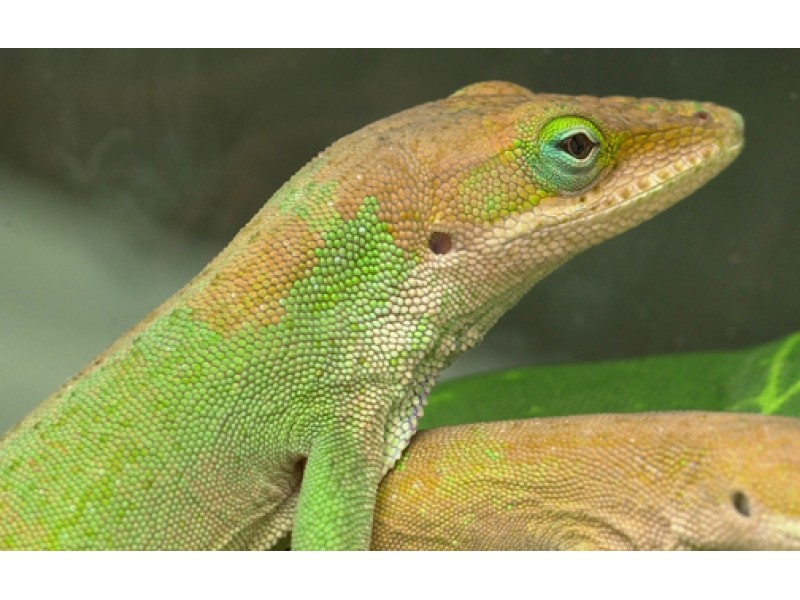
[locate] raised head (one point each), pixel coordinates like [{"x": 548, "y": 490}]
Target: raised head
[{"x": 493, "y": 187}]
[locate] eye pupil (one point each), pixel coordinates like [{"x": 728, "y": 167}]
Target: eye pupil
[{"x": 578, "y": 146}]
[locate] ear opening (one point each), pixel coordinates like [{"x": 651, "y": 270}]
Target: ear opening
[{"x": 440, "y": 242}]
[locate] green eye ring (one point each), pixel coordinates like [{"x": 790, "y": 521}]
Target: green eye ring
[{"x": 567, "y": 155}]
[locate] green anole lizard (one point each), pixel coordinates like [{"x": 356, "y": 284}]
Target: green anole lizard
[
  {"x": 650, "y": 481},
  {"x": 310, "y": 343}
]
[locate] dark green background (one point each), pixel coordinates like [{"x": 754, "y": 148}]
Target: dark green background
[{"x": 123, "y": 172}]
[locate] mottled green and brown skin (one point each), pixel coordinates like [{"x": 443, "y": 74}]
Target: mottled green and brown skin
[
  {"x": 651, "y": 481},
  {"x": 310, "y": 343}
]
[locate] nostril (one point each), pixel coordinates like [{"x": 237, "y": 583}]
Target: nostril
[
  {"x": 703, "y": 115},
  {"x": 741, "y": 503},
  {"x": 440, "y": 243}
]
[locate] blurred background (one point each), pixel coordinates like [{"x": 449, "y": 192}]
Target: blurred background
[{"x": 122, "y": 173}]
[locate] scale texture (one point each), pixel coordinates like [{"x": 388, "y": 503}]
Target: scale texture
[
  {"x": 650, "y": 481},
  {"x": 278, "y": 387}
]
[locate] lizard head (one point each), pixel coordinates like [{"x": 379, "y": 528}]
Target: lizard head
[
  {"x": 519, "y": 182},
  {"x": 417, "y": 232}
]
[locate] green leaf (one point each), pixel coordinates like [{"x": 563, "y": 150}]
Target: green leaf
[{"x": 764, "y": 379}]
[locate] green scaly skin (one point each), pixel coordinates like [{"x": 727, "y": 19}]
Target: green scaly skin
[
  {"x": 650, "y": 481},
  {"x": 305, "y": 350}
]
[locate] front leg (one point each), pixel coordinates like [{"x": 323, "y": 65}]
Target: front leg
[{"x": 337, "y": 497}]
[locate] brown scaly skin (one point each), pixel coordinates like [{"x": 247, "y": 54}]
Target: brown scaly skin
[{"x": 656, "y": 481}]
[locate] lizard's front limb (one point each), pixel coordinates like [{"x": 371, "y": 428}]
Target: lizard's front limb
[{"x": 337, "y": 497}]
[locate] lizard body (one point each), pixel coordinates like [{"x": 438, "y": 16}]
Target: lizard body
[
  {"x": 308, "y": 346},
  {"x": 650, "y": 481}
]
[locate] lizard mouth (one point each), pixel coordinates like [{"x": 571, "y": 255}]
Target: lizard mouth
[
  {"x": 667, "y": 183},
  {"x": 632, "y": 202},
  {"x": 664, "y": 187}
]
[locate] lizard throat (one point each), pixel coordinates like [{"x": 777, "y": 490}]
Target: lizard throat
[{"x": 403, "y": 420}]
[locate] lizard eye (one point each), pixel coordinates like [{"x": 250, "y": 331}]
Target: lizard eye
[
  {"x": 568, "y": 155},
  {"x": 578, "y": 146}
]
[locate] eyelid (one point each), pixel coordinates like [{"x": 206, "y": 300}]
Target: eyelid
[{"x": 584, "y": 130}]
